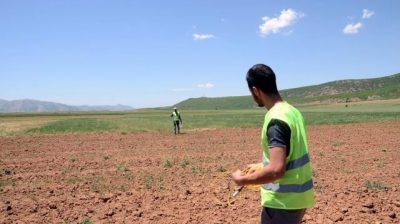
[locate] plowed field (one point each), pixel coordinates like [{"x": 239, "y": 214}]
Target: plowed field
[{"x": 155, "y": 177}]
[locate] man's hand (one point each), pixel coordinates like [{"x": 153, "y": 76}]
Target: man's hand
[
  {"x": 237, "y": 177},
  {"x": 251, "y": 168}
]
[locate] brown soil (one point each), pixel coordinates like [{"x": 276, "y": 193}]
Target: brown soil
[{"x": 126, "y": 178}]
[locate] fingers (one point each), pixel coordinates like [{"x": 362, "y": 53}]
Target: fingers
[
  {"x": 246, "y": 170},
  {"x": 249, "y": 169},
  {"x": 237, "y": 176}
]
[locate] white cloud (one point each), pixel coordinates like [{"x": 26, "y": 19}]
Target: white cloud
[
  {"x": 274, "y": 25},
  {"x": 198, "y": 36},
  {"x": 182, "y": 89},
  {"x": 352, "y": 28},
  {"x": 367, "y": 14},
  {"x": 206, "y": 85}
]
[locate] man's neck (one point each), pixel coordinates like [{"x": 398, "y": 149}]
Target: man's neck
[{"x": 272, "y": 100}]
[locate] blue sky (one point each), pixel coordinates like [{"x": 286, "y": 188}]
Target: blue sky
[{"x": 157, "y": 53}]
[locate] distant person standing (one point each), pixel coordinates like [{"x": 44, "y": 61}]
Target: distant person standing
[
  {"x": 177, "y": 119},
  {"x": 286, "y": 178}
]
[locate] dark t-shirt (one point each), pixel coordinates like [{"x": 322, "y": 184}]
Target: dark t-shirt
[{"x": 278, "y": 134}]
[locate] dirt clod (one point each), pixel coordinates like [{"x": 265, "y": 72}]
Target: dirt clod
[
  {"x": 368, "y": 204},
  {"x": 105, "y": 199},
  {"x": 392, "y": 215},
  {"x": 338, "y": 218},
  {"x": 110, "y": 213}
]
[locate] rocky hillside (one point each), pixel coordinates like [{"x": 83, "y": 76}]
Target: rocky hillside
[{"x": 332, "y": 92}]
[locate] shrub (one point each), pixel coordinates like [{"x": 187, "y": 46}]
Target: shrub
[
  {"x": 122, "y": 168},
  {"x": 184, "y": 163},
  {"x": 374, "y": 185},
  {"x": 86, "y": 221},
  {"x": 166, "y": 164},
  {"x": 221, "y": 169}
]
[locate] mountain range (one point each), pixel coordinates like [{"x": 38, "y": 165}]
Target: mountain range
[
  {"x": 387, "y": 87},
  {"x": 28, "y": 105}
]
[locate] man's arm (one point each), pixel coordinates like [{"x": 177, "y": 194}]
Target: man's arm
[
  {"x": 278, "y": 135},
  {"x": 273, "y": 171}
]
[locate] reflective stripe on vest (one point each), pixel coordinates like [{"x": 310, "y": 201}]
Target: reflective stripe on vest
[
  {"x": 289, "y": 188},
  {"x": 298, "y": 162},
  {"x": 294, "y": 163}
]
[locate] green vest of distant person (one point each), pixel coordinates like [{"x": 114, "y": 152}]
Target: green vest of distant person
[
  {"x": 176, "y": 115},
  {"x": 294, "y": 190}
]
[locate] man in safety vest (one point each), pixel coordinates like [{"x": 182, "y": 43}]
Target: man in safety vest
[
  {"x": 176, "y": 117},
  {"x": 286, "y": 177}
]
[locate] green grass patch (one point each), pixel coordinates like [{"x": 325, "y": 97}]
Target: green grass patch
[
  {"x": 72, "y": 159},
  {"x": 166, "y": 164},
  {"x": 122, "y": 168},
  {"x": 316, "y": 118},
  {"x": 86, "y": 221},
  {"x": 73, "y": 180},
  {"x": 161, "y": 183},
  {"x": 221, "y": 168},
  {"x": 195, "y": 170},
  {"x": 184, "y": 162},
  {"x": 75, "y": 125},
  {"x": 374, "y": 185},
  {"x": 160, "y": 121},
  {"x": 148, "y": 181}
]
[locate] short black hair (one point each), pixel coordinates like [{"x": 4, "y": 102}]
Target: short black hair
[{"x": 262, "y": 77}]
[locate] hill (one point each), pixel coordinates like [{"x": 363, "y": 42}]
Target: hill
[
  {"x": 351, "y": 90},
  {"x": 16, "y": 106}
]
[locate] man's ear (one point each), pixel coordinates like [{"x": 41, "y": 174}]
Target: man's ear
[{"x": 256, "y": 91}]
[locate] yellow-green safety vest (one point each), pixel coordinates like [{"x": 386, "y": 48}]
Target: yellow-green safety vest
[
  {"x": 175, "y": 116},
  {"x": 295, "y": 189}
]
